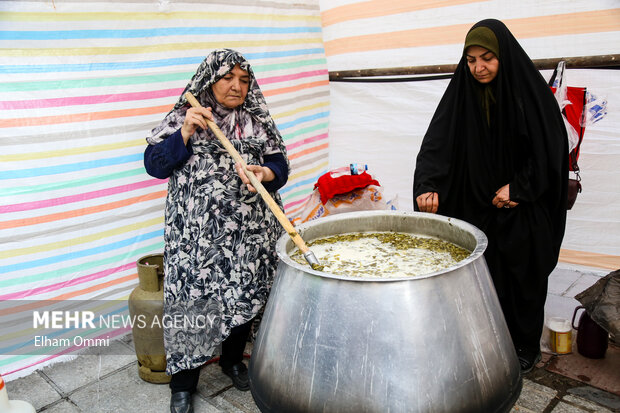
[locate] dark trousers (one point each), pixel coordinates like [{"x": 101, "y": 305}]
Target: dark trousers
[{"x": 232, "y": 353}]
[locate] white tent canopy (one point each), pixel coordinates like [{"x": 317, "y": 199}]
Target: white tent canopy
[{"x": 382, "y": 124}]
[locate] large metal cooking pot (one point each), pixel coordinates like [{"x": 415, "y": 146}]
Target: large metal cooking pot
[{"x": 432, "y": 343}]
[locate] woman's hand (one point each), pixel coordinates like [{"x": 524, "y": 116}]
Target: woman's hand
[
  {"x": 262, "y": 173},
  {"x": 428, "y": 202},
  {"x": 502, "y": 198},
  {"x": 195, "y": 118}
]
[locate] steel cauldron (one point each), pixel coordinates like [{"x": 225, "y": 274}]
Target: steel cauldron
[{"x": 432, "y": 343}]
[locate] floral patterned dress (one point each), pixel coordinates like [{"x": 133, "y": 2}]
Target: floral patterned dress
[{"x": 219, "y": 254}]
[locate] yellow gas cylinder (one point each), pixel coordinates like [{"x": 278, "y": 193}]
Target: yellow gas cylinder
[
  {"x": 146, "y": 308},
  {"x": 12, "y": 406}
]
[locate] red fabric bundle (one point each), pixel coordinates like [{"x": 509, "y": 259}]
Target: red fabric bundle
[
  {"x": 329, "y": 186},
  {"x": 574, "y": 113}
]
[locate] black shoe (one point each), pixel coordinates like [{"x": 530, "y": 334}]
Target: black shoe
[
  {"x": 181, "y": 402},
  {"x": 528, "y": 361},
  {"x": 239, "y": 375}
]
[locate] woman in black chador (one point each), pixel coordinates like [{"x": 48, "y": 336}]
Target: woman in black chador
[{"x": 496, "y": 155}]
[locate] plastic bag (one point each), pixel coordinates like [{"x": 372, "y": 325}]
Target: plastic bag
[
  {"x": 560, "y": 94},
  {"x": 595, "y": 110},
  {"x": 345, "y": 189},
  {"x": 360, "y": 199}
]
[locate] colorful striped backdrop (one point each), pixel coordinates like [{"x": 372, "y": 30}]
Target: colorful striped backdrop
[
  {"x": 394, "y": 33},
  {"x": 81, "y": 85}
]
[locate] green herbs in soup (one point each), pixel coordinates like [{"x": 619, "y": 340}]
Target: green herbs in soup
[{"x": 383, "y": 254}]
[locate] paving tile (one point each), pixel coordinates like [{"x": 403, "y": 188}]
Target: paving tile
[
  {"x": 583, "y": 283},
  {"x": 62, "y": 407},
  {"x": 122, "y": 391},
  {"x": 127, "y": 340},
  {"x": 562, "y": 407},
  {"x": 223, "y": 405},
  {"x": 518, "y": 409},
  {"x": 560, "y": 306},
  {"x": 601, "y": 272},
  {"x": 560, "y": 280},
  {"x": 601, "y": 397},
  {"x": 89, "y": 366},
  {"x": 240, "y": 399},
  {"x": 585, "y": 404},
  {"x": 22, "y": 389},
  {"x": 534, "y": 397},
  {"x": 202, "y": 405},
  {"x": 217, "y": 388},
  {"x": 212, "y": 381}
]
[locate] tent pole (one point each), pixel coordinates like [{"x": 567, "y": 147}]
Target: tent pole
[{"x": 580, "y": 62}]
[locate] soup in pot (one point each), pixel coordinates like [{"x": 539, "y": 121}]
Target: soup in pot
[{"x": 383, "y": 254}]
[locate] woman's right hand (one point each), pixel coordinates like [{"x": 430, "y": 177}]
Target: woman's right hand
[
  {"x": 194, "y": 119},
  {"x": 428, "y": 202}
]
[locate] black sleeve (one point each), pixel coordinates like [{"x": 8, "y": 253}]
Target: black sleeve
[
  {"x": 163, "y": 158},
  {"x": 277, "y": 163}
]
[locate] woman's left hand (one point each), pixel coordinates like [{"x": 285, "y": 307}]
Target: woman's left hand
[
  {"x": 502, "y": 198},
  {"x": 262, "y": 173}
]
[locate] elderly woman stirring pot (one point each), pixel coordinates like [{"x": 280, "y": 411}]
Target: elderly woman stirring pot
[
  {"x": 496, "y": 155},
  {"x": 219, "y": 256}
]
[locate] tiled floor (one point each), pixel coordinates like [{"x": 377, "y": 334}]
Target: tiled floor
[
  {"x": 565, "y": 282},
  {"x": 110, "y": 382}
]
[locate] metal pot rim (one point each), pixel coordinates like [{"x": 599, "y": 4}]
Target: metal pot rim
[{"x": 285, "y": 241}]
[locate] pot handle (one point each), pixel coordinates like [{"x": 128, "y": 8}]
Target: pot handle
[{"x": 575, "y": 315}]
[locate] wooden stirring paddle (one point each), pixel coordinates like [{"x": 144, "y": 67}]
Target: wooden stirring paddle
[{"x": 271, "y": 204}]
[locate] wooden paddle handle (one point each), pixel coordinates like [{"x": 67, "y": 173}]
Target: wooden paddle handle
[{"x": 273, "y": 206}]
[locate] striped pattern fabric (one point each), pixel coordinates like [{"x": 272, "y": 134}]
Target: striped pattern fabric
[
  {"x": 81, "y": 85},
  {"x": 397, "y": 33}
]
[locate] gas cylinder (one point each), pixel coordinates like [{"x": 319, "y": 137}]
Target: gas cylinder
[
  {"x": 591, "y": 338},
  {"x": 12, "y": 406},
  {"x": 146, "y": 309}
]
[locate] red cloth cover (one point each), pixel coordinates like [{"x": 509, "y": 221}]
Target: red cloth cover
[{"x": 329, "y": 186}]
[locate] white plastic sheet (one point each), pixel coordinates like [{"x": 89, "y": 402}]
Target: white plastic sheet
[{"x": 382, "y": 124}]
